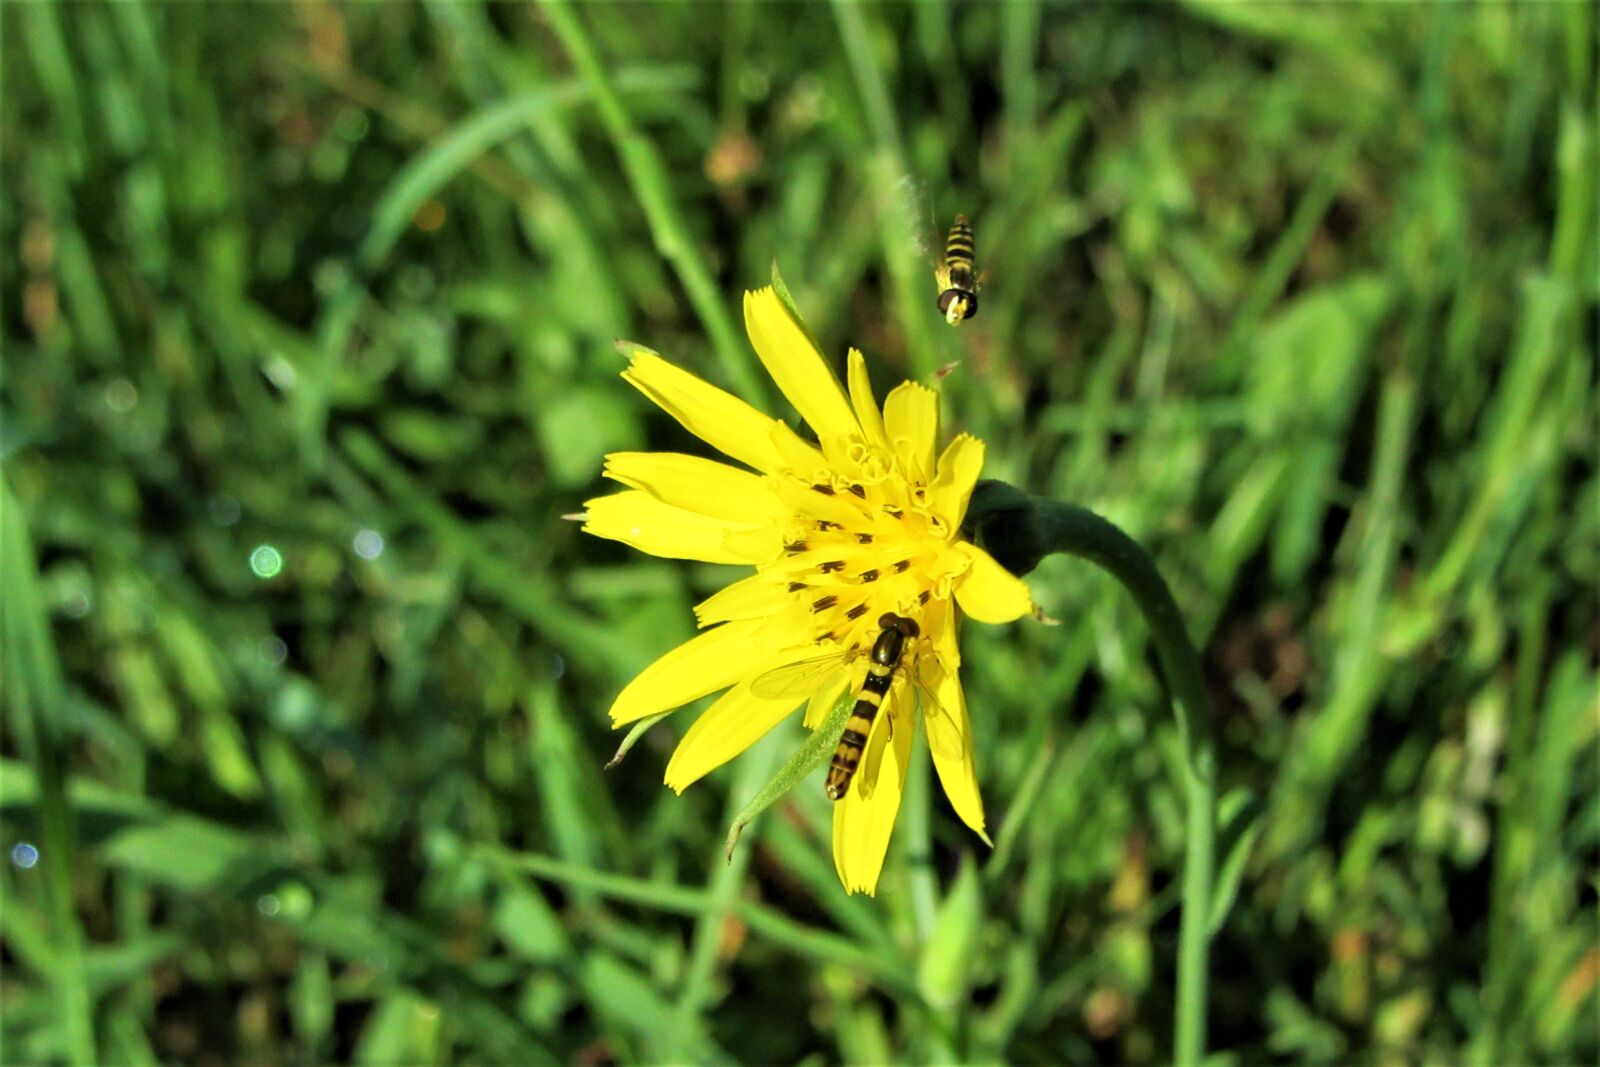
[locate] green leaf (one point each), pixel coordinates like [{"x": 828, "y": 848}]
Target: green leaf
[
  {"x": 404, "y": 1028},
  {"x": 529, "y": 926},
  {"x": 186, "y": 854},
  {"x": 1239, "y": 817},
  {"x": 947, "y": 958}
]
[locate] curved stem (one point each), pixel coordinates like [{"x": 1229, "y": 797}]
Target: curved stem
[{"x": 1019, "y": 530}]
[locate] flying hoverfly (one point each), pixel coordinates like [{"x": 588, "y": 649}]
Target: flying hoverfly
[
  {"x": 958, "y": 274},
  {"x": 887, "y": 655},
  {"x": 956, "y": 271}
]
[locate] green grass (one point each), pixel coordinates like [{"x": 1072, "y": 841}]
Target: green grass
[{"x": 1303, "y": 298}]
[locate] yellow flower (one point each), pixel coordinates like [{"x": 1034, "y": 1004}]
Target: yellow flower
[{"x": 862, "y": 523}]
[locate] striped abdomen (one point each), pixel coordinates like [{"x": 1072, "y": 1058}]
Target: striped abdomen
[
  {"x": 959, "y": 275},
  {"x": 886, "y": 651},
  {"x": 958, "y": 256},
  {"x": 847, "y": 757}
]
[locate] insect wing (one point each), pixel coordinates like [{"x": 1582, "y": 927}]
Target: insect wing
[
  {"x": 945, "y": 734},
  {"x": 799, "y": 679},
  {"x": 910, "y": 203}
]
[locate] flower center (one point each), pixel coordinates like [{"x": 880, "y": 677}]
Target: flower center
[{"x": 857, "y": 548}]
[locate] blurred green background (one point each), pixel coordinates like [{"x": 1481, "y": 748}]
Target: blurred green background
[{"x": 308, "y": 322}]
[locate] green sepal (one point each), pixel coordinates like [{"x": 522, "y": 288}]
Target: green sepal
[
  {"x": 787, "y": 300},
  {"x": 633, "y": 349},
  {"x": 634, "y": 734},
  {"x": 816, "y": 748}
]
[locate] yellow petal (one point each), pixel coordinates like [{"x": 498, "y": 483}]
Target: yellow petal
[
  {"x": 695, "y": 484},
  {"x": 862, "y": 400},
  {"x": 825, "y": 698},
  {"x": 755, "y": 597},
  {"x": 796, "y": 365},
  {"x": 988, "y": 592},
  {"x": 703, "y": 664},
  {"x": 911, "y": 421},
  {"x": 801, "y": 499},
  {"x": 950, "y": 741},
  {"x": 864, "y": 820},
  {"x": 718, "y": 418},
  {"x": 636, "y": 518},
  {"x": 727, "y": 728},
  {"x": 942, "y": 625},
  {"x": 798, "y": 455},
  {"x": 958, "y": 472},
  {"x": 756, "y": 545}
]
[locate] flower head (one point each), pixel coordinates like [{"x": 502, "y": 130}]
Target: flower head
[{"x": 842, "y": 533}]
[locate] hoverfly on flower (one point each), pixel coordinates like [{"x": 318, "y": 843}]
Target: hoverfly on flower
[
  {"x": 886, "y": 656},
  {"x": 842, "y": 533}
]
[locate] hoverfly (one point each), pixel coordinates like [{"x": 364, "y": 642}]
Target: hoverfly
[
  {"x": 958, "y": 274},
  {"x": 887, "y": 654}
]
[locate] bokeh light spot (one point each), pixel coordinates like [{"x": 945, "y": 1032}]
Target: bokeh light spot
[
  {"x": 279, "y": 371},
  {"x": 121, "y": 396},
  {"x": 429, "y": 216},
  {"x": 266, "y": 562},
  {"x": 224, "y": 510},
  {"x": 352, "y": 124},
  {"x": 368, "y": 544}
]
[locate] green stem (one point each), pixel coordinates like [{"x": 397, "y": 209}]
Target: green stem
[
  {"x": 1020, "y": 530},
  {"x": 653, "y": 188},
  {"x": 726, "y": 880}
]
